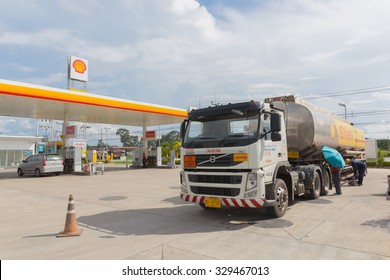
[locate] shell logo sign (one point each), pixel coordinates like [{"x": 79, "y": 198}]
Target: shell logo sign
[
  {"x": 78, "y": 69},
  {"x": 79, "y": 66}
]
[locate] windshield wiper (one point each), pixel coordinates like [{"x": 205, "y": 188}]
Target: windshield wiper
[
  {"x": 231, "y": 136},
  {"x": 265, "y": 133},
  {"x": 199, "y": 138}
]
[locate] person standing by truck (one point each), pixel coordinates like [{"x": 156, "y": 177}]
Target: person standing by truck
[
  {"x": 336, "y": 180},
  {"x": 359, "y": 168}
]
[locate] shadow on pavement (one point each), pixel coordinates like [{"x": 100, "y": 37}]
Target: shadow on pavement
[{"x": 166, "y": 221}]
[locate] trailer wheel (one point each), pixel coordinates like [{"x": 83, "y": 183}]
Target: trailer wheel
[
  {"x": 326, "y": 184},
  {"x": 281, "y": 200},
  {"x": 315, "y": 192}
]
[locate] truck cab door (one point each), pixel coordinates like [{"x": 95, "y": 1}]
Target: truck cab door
[{"x": 274, "y": 143}]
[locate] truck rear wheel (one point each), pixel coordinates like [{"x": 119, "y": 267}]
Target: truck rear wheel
[
  {"x": 316, "y": 190},
  {"x": 326, "y": 184},
  {"x": 281, "y": 200}
]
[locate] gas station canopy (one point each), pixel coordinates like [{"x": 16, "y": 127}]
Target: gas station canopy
[{"x": 32, "y": 101}]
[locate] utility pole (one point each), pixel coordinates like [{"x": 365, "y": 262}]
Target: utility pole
[
  {"x": 85, "y": 127},
  {"x": 107, "y": 129}
]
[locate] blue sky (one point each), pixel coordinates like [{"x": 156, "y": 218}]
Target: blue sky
[{"x": 185, "y": 53}]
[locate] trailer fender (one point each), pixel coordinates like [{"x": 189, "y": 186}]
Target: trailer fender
[
  {"x": 310, "y": 171},
  {"x": 313, "y": 181}
]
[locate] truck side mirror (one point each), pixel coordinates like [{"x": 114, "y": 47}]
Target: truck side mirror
[
  {"x": 275, "y": 137},
  {"x": 183, "y": 128},
  {"x": 276, "y": 125}
]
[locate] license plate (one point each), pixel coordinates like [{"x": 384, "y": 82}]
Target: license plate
[{"x": 212, "y": 202}]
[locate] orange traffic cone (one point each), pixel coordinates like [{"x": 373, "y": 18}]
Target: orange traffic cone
[{"x": 70, "y": 223}]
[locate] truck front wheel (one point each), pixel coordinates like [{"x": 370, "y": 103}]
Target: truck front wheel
[{"x": 281, "y": 200}]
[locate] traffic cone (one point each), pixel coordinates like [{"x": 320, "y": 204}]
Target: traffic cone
[{"x": 70, "y": 223}]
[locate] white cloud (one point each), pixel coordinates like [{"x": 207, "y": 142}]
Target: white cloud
[
  {"x": 326, "y": 56},
  {"x": 48, "y": 80},
  {"x": 4, "y": 124},
  {"x": 81, "y": 8},
  {"x": 269, "y": 86},
  {"x": 27, "y": 124},
  {"x": 17, "y": 67},
  {"x": 46, "y": 38}
]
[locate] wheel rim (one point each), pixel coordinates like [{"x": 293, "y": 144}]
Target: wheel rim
[
  {"x": 317, "y": 184},
  {"x": 282, "y": 199}
]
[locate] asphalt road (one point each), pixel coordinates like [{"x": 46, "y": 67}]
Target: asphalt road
[{"x": 136, "y": 214}]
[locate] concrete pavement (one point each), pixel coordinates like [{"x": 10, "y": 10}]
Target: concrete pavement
[{"x": 137, "y": 214}]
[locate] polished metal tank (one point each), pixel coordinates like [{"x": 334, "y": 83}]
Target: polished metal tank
[{"x": 310, "y": 127}]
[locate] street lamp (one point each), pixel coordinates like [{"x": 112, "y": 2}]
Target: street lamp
[
  {"x": 107, "y": 129},
  {"x": 345, "y": 109},
  {"x": 85, "y": 127},
  {"x": 46, "y": 125}
]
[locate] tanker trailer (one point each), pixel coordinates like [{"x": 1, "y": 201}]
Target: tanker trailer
[
  {"x": 260, "y": 154},
  {"x": 309, "y": 128}
]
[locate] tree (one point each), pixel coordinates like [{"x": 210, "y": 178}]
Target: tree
[
  {"x": 171, "y": 141},
  {"x": 168, "y": 146},
  {"x": 383, "y": 144},
  {"x": 165, "y": 149},
  {"x": 127, "y": 139},
  {"x": 172, "y": 136},
  {"x": 101, "y": 144},
  {"x": 176, "y": 147}
]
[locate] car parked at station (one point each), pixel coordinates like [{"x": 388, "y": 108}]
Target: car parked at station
[{"x": 41, "y": 164}]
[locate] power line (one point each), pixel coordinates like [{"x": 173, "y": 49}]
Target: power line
[
  {"x": 373, "y": 123},
  {"x": 347, "y": 92},
  {"x": 368, "y": 113},
  {"x": 377, "y": 132},
  {"x": 209, "y": 99}
]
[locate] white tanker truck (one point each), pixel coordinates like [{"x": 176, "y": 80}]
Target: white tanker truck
[{"x": 261, "y": 154}]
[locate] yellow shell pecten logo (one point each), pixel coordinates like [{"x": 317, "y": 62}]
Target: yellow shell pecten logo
[
  {"x": 79, "y": 66},
  {"x": 332, "y": 130}
]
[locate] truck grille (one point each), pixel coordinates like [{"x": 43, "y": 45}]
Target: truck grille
[
  {"x": 215, "y": 160},
  {"x": 216, "y": 179},
  {"x": 215, "y": 191}
]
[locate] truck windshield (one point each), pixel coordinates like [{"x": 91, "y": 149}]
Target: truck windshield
[{"x": 222, "y": 132}]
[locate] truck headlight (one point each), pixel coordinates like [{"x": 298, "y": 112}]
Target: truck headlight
[{"x": 251, "y": 181}]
